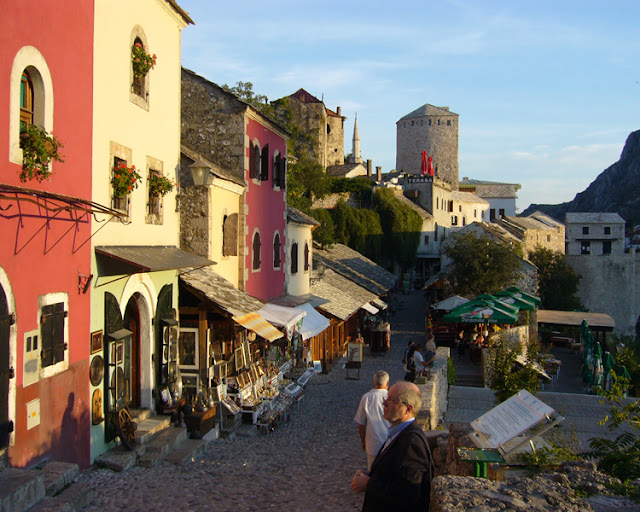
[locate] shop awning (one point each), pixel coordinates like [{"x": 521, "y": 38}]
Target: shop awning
[
  {"x": 254, "y": 322},
  {"x": 371, "y": 309},
  {"x": 380, "y": 304},
  {"x": 131, "y": 259},
  {"x": 313, "y": 323},
  {"x": 281, "y": 315},
  {"x": 575, "y": 318}
]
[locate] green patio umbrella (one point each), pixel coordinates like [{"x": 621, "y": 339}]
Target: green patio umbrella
[
  {"x": 526, "y": 296},
  {"x": 476, "y": 303},
  {"x": 482, "y": 314},
  {"x": 598, "y": 372},
  {"x": 510, "y": 298},
  {"x": 608, "y": 363},
  {"x": 498, "y": 302},
  {"x": 622, "y": 373}
]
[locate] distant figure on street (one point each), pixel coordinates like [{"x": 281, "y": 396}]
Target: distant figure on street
[
  {"x": 372, "y": 427},
  {"x": 400, "y": 477},
  {"x": 410, "y": 345},
  {"x": 430, "y": 351}
]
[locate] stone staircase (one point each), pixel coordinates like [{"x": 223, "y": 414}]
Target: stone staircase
[
  {"x": 156, "y": 440},
  {"x": 469, "y": 379},
  {"x": 47, "y": 488}
]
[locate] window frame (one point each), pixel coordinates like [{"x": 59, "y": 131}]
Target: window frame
[
  {"x": 141, "y": 100},
  {"x": 585, "y": 230},
  {"x": 606, "y": 247},
  {"x": 52, "y": 299},
  {"x": 585, "y": 247},
  {"x": 294, "y": 258}
]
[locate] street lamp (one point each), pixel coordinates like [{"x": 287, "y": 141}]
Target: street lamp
[{"x": 200, "y": 172}]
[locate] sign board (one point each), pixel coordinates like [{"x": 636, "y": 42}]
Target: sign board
[
  {"x": 354, "y": 352},
  {"x": 509, "y": 419}
]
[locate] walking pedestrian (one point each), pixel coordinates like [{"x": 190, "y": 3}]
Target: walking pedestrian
[
  {"x": 372, "y": 427},
  {"x": 400, "y": 477}
]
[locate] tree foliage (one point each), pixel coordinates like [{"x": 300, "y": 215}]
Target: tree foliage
[
  {"x": 306, "y": 179},
  {"x": 557, "y": 281},
  {"x": 401, "y": 225},
  {"x": 358, "y": 228},
  {"x": 324, "y": 233},
  {"x": 507, "y": 377},
  {"x": 480, "y": 264},
  {"x": 244, "y": 91}
]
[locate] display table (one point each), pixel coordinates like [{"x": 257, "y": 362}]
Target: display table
[
  {"x": 201, "y": 421},
  {"x": 174, "y": 409}
]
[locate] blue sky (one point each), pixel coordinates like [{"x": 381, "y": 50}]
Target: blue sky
[{"x": 547, "y": 92}]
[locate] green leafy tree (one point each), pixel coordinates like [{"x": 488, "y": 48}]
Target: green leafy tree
[
  {"x": 557, "y": 281},
  {"x": 244, "y": 91},
  {"x": 324, "y": 233},
  {"x": 306, "y": 179},
  {"x": 480, "y": 264},
  {"x": 507, "y": 377}
]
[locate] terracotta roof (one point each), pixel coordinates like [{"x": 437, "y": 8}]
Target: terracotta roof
[
  {"x": 295, "y": 215},
  {"x": 356, "y": 267},
  {"x": 305, "y": 97},
  {"x": 589, "y": 217},
  {"x": 429, "y": 110},
  {"x": 343, "y": 295},
  {"x": 331, "y": 113}
]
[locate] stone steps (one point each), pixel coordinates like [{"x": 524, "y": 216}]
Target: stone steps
[
  {"x": 48, "y": 488},
  {"x": 469, "y": 380},
  {"x": 149, "y": 427}
]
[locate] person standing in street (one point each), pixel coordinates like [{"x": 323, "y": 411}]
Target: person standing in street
[
  {"x": 400, "y": 476},
  {"x": 372, "y": 427}
]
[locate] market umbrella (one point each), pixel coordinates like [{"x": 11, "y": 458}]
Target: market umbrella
[
  {"x": 608, "y": 363},
  {"x": 622, "y": 373},
  {"x": 482, "y": 314},
  {"x": 598, "y": 373},
  {"x": 517, "y": 292},
  {"x": 423, "y": 164},
  {"x": 451, "y": 302},
  {"x": 430, "y": 167},
  {"x": 587, "y": 345},
  {"x": 521, "y": 302},
  {"x": 483, "y": 303},
  {"x": 499, "y": 302}
]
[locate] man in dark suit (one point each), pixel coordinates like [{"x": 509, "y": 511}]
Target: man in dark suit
[{"x": 400, "y": 477}]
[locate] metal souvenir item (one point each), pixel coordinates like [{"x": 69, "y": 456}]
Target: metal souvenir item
[{"x": 96, "y": 370}]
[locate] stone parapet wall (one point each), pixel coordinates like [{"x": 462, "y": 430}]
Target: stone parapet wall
[{"x": 434, "y": 392}]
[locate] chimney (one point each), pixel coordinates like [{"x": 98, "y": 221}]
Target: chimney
[
  {"x": 369, "y": 167},
  {"x": 339, "y": 111},
  {"x": 378, "y": 173}
]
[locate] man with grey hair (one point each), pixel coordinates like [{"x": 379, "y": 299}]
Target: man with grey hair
[
  {"x": 400, "y": 476},
  {"x": 372, "y": 427}
]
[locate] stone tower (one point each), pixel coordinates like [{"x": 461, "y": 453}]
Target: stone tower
[
  {"x": 355, "y": 147},
  {"x": 434, "y": 129}
]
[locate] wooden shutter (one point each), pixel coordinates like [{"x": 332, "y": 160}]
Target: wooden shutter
[
  {"x": 294, "y": 258},
  {"x": 52, "y": 333},
  {"x": 264, "y": 164},
  {"x": 283, "y": 171},
  {"x": 256, "y": 251},
  {"x": 230, "y": 235},
  {"x": 306, "y": 257},
  {"x": 276, "y": 251},
  {"x": 252, "y": 162},
  {"x": 276, "y": 170}
]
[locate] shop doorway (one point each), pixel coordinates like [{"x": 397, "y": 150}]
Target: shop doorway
[
  {"x": 5, "y": 370},
  {"x": 131, "y": 321}
]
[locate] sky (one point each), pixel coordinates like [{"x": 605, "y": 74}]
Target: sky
[{"x": 547, "y": 91}]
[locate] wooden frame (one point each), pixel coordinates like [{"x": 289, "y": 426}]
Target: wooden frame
[
  {"x": 96, "y": 342},
  {"x": 239, "y": 358},
  {"x": 188, "y": 348}
]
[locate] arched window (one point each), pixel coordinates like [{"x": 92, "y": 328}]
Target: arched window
[
  {"x": 276, "y": 251},
  {"x": 306, "y": 257},
  {"x": 139, "y": 82},
  {"x": 26, "y": 99},
  {"x": 294, "y": 258},
  {"x": 256, "y": 251}
]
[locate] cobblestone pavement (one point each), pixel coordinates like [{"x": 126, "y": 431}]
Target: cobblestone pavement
[{"x": 305, "y": 464}]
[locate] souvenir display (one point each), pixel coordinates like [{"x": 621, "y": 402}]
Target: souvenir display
[
  {"x": 96, "y": 407},
  {"x": 96, "y": 342},
  {"x": 96, "y": 370}
]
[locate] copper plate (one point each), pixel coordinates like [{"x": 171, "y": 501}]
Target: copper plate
[{"x": 96, "y": 370}]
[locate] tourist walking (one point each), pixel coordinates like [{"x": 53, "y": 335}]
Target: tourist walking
[
  {"x": 372, "y": 427},
  {"x": 400, "y": 477}
]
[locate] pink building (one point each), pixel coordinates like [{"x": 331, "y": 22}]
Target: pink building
[{"x": 46, "y": 66}]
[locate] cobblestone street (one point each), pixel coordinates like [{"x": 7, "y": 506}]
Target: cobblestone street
[{"x": 305, "y": 464}]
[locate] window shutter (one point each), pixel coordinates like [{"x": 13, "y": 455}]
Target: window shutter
[
  {"x": 256, "y": 251},
  {"x": 283, "y": 171},
  {"x": 294, "y": 259},
  {"x": 276, "y": 251},
  {"x": 252, "y": 161},
  {"x": 306, "y": 257},
  {"x": 52, "y": 332},
  {"x": 230, "y": 236},
  {"x": 276, "y": 170},
  {"x": 264, "y": 164}
]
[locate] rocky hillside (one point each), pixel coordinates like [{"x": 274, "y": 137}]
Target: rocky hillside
[{"x": 616, "y": 189}]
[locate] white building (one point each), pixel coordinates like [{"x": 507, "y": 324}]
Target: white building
[
  {"x": 594, "y": 233},
  {"x": 500, "y": 196}
]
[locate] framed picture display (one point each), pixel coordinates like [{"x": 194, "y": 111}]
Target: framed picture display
[
  {"x": 239, "y": 358},
  {"x": 188, "y": 348},
  {"x": 190, "y": 384},
  {"x": 254, "y": 373},
  {"x": 96, "y": 342},
  {"x": 120, "y": 352}
]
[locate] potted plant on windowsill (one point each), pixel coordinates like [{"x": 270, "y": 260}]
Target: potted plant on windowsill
[
  {"x": 124, "y": 180},
  {"x": 159, "y": 185},
  {"x": 142, "y": 62},
  {"x": 38, "y": 150}
]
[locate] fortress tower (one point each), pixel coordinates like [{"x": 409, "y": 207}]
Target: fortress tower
[{"x": 434, "y": 130}]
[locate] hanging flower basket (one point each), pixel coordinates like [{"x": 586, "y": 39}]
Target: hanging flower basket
[
  {"x": 159, "y": 185},
  {"x": 124, "y": 180},
  {"x": 38, "y": 150},
  {"x": 141, "y": 61}
]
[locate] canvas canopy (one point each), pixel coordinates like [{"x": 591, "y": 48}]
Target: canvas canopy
[
  {"x": 451, "y": 302},
  {"x": 254, "y": 322},
  {"x": 281, "y": 315},
  {"x": 313, "y": 323}
]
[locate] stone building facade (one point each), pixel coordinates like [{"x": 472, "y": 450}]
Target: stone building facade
[
  {"x": 322, "y": 127},
  {"x": 591, "y": 233},
  {"x": 536, "y": 230},
  {"x": 434, "y": 130}
]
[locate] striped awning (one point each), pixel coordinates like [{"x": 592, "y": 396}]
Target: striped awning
[{"x": 254, "y": 322}]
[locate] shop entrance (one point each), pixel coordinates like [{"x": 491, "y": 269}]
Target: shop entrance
[
  {"x": 6, "y": 372},
  {"x": 131, "y": 321}
]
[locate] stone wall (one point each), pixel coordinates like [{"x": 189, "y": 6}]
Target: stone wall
[
  {"x": 434, "y": 392},
  {"x": 331, "y": 200},
  {"x": 610, "y": 284},
  {"x": 439, "y": 140},
  {"x": 335, "y": 141},
  {"x": 514, "y": 337},
  {"x": 194, "y": 220}
]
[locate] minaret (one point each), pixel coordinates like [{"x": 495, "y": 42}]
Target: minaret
[{"x": 355, "y": 149}]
